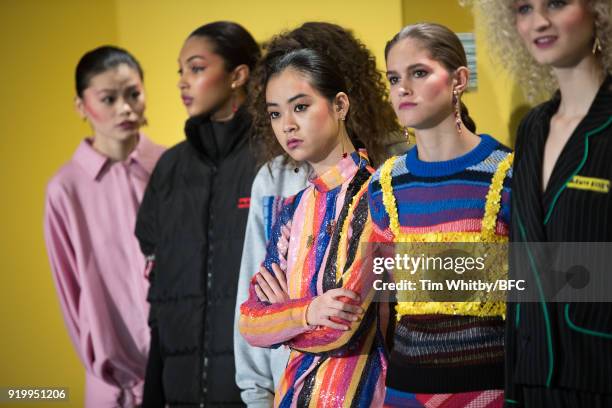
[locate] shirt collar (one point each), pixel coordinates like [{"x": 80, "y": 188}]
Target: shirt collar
[
  {"x": 343, "y": 171},
  {"x": 93, "y": 162}
]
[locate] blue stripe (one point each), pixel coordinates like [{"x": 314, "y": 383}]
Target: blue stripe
[
  {"x": 372, "y": 375},
  {"x": 268, "y": 204},
  {"x": 323, "y": 238},
  {"x": 395, "y": 398},
  {"x": 441, "y": 205},
  {"x": 304, "y": 365}
]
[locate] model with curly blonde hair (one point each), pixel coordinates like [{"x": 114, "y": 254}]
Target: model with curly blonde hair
[
  {"x": 507, "y": 48},
  {"x": 559, "y": 354}
]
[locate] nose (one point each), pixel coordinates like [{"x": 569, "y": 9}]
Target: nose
[
  {"x": 182, "y": 84},
  {"x": 289, "y": 124},
  {"x": 125, "y": 108},
  {"x": 540, "y": 20},
  {"x": 405, "y": 88}
]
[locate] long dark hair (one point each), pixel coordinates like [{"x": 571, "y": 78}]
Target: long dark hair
[
  {"x": 99, "y": 60},
  {"x": 444, "y": 46}
]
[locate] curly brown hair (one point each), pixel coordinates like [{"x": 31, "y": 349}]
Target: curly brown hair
[
  {"x": 371, "y": 119},
  {"x": 537, "y": 81}
]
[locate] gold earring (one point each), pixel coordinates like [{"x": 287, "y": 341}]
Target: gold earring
[
  {"x": 596, "y": 46},
  {"x": 457, "y": 109}
]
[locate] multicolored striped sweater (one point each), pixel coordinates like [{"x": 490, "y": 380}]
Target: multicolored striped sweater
[
  {"x": 445, "y": 347},
  {"x": 327, "y": 367}
]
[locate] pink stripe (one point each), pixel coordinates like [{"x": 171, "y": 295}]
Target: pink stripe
[{"x": 464, "y": 225}]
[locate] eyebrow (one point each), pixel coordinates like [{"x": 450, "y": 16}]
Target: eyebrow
[
  {"x": 106, "y": 90},
  {"x": 410, "y": 67},
  {"x": 293, "y": 98},
  {"x": 195, "y": 57}
]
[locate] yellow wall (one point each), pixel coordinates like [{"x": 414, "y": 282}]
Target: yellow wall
[
  {"x": 373, "y": 22},
  {"x": 40, "y": 44}
]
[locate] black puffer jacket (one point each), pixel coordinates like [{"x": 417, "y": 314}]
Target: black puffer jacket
[{"x": 192, "y": 219}]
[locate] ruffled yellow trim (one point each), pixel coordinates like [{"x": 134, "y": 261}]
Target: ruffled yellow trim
[
  {"x": 493, "y": 203},
  {"x": 487, "y": 234},
  {"x": 388, "y": 197},
  {"x": 480, "y": 309}
]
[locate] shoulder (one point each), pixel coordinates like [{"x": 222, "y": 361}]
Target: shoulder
[
  {"x": 533, "y": 119},
  {"x": 169, "y": 159},
  {"x": 499, "y": 159},
  {"x": 153, "y": 149},
  {"x": 68, "y": 179},
  {"x": 392, "y": 167}
]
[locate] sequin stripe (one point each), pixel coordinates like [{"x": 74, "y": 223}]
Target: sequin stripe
[
  {"x": 478, "y": 309},
  {"x": 323, "y": 236},
  {"x": 297, "y": 274},
  {"x": 343, "y": 244},
  {"x": 286, "y": 390},
  {"x": 330, "y": 274},
  {"x": 493, "y": 201},
  {"x": 362, "y": 382},
  {"x": 335, "y": 381},
  {"x": 314, "y": 393}
]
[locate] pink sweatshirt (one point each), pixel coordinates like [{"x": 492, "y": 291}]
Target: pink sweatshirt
[{"x": 98, "y": 269}]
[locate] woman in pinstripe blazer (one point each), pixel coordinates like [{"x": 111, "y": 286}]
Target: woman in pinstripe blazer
[{"x": 559, "y": 354}]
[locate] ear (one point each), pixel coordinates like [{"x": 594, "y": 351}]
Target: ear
[
  {"x": 79, "y": 107},
  {"x": 341, "y": 105},
  {"x": 460, "y": 79},
  {"x": 240, "y": 76}
]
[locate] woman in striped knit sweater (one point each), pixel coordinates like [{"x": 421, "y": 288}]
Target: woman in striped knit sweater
[
  {"x": 322, "y": 309},
  {"x": 453, "y": 187}
]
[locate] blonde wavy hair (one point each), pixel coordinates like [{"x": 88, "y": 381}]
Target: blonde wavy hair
[{"x": 507, "y": 47}]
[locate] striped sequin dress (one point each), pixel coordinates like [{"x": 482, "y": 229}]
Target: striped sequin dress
[{"x": 326, "y": 368}]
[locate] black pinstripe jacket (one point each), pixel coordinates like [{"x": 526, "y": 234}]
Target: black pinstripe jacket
[{"x": 562, "y": 345}]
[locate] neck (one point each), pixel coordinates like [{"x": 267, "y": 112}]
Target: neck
[
  {"x": 443, "y": 142},
  {"x": 579, "y": 85},
  {"x": 114, "y": 149},
  {"x": 335, "y": 155},
  {"x": 226, "y": 111}
]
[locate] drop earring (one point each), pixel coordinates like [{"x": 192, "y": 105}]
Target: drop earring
[
  {"x": 234, "y": 106},
  {"x": 457, "y": 109},
  {"x": 344, "y": 154},
  {"x": 596, "y": 46}
]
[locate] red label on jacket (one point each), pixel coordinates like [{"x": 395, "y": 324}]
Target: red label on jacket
[{"x": 244, "y": 202}]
